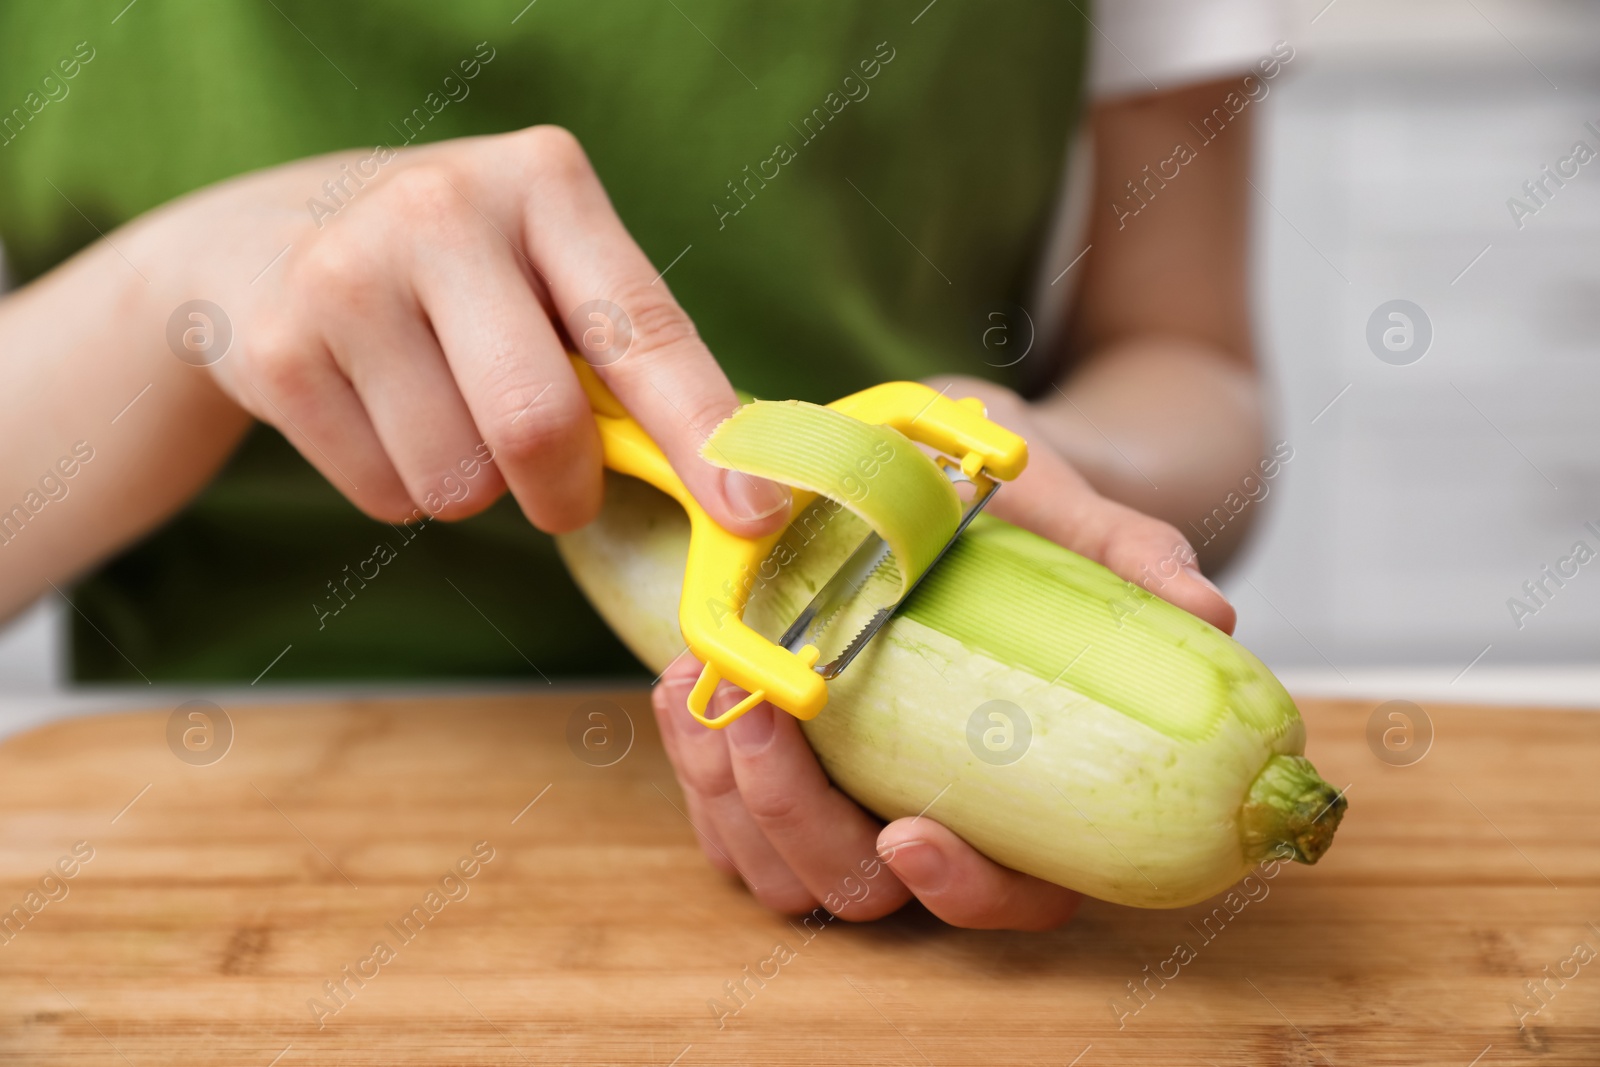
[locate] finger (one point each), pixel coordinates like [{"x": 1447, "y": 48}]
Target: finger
[
  {"x": 705, "y": 831},
  {"x": 397, "y": 368},
  {"x": 504, "y": 355},
  {"x": 671, "y": 687},
  {"x": 294, "y": 386},
  {"x": 659, "y": 368},
  {"x": 700, "y": 757},
  {"x": 1153, "y": 555},
  {"x": 963, "y": 887},
  {"x": 1053, "y": 500},
  {"x": 829, "y": 842}
]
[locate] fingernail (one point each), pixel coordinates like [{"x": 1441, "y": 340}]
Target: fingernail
[
  {"x": 1194, "y": 572},
  {"x": 918, "y": 864},
  {"x": 753, "y": 498},
  {"x": 751, "y": 732}
]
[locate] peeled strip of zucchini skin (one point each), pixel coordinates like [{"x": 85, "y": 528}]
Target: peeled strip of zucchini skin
[{"x": 874, "y": 471}]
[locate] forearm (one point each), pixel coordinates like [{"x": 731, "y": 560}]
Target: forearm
[
  {"x": 104, "y": 432},
  {"x": 1162, "y": 407},
  {"x": 1167, "y": 425}
]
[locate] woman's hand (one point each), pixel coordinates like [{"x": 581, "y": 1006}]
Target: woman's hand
[
  {"x": 420, "y": 319},
  {"x": 1053, "y": 500},
  {"x": 764, "y": 809},
  {"x": 402, "y": 317}
]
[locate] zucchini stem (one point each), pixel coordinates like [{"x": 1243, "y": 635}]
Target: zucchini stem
[{"x": 1289, "y": 805}]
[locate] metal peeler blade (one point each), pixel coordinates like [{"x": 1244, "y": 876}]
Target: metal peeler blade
[{"x": 847, "y": 581}]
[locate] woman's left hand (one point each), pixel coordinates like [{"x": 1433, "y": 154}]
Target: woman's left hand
[{"x": 765, "y": 810}]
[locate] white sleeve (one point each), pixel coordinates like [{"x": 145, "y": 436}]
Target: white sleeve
[{"x": 1142, "y": 46}]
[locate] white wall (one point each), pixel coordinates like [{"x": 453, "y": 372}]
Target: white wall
[{"x": 1423, "y": 499}]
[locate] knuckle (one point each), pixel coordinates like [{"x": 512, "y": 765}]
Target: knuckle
[
  {"x": 776, "y": 810},
  {"x": 555, "y": 151},
  {"x": 281, "y": 369},
  {"x": 1156, "y": 531},
  {"x": 332, "y": 270},
  {"x": 1125, "y": 540},
  {"x": 1174, "y": 544},
  {"x": 530, "y": 423},
  {"x": 706, "y": 414},
  {"x": 710, "y": 779},
  {"x": 1141, "y": 548},
  {"x": 666, "y": 349},
  {"x": 661, "y": 328},
  {"x": 337, "y": 282},
  {"x": 425, "y": 192}
]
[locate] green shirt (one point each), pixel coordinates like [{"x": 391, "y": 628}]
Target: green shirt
[{"x": 846, "y": 192}]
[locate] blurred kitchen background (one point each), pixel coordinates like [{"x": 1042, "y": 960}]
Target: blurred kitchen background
[
  {"x": 1420, "y": 497},
  {"x": 1423, "y": 498}
]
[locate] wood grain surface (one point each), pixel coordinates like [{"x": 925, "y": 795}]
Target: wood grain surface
[{"x": 221, "y": 897}]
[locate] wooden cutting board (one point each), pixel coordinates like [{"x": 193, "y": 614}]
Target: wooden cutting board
[{"x": 221, "y": 896}]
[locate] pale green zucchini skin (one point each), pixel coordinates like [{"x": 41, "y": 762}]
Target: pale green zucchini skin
[{"x": 1150, "y": 804}]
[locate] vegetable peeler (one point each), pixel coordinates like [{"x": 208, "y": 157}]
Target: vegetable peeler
[{"x": 788, "y": 673}]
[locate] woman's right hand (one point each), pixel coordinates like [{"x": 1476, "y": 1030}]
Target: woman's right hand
[{"x": 418, "y": 324}]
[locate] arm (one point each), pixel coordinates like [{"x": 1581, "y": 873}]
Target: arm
[
  {"x": 409, "y": 341},
  {"x": 106, "y": 433},
  {"x": 1160, "y": 338}
]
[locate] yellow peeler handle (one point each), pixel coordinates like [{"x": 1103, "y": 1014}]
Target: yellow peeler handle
[{"x": 722, "y": 566}]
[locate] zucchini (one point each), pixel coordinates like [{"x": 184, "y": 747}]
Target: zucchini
[{"x": 1065, "y": 722}]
